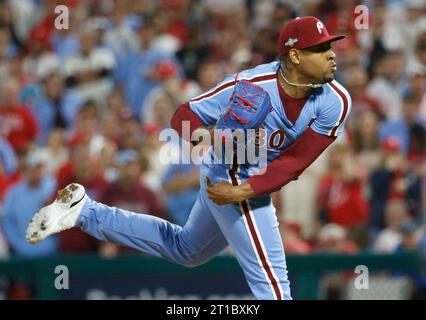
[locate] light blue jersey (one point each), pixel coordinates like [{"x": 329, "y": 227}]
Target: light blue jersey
[{"x": 325, "y": 111}]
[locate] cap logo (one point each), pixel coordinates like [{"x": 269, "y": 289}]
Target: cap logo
[
  {"x": 290, "y": 42},
  {"x": 320, "y": 26}
]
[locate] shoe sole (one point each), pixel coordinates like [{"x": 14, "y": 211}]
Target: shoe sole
[{"x": 38, "y": 227}]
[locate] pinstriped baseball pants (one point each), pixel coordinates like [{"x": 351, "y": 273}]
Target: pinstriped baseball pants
[{"x": 252, "y": 233}]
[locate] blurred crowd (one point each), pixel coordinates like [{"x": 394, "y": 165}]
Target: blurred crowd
[{"x": 86, "y": 104}]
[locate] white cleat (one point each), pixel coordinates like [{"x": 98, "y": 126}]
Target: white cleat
[{"x": 58, "y": 216}]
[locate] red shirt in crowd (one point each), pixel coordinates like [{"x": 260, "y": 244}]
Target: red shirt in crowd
[
  {"x": 18, "y": 125},
  {"x": 343, "y": 201}
]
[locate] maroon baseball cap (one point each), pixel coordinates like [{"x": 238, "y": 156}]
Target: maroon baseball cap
[{"x": 304, "y": 32}]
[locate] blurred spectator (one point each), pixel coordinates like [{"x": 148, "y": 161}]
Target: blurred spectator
[
  {"x": 170, "y": 25},
  {"x": 403, "y": 128},
  {"x": 393, "y": 180},
  {"x": 272, "y": 16},
  {"x": 130, "y": 131},
  {"x": 388, "y": 239},
  {"x": 365, "y": 139},
  {"x": 135, "y": 69},
  {"x": 117, "y": 124},
  {"x": 160, "y": 109},
  {"x": 387, "y": 85},
  {"x": 110, "y": 128},
  {"x": 416, "y": 86},
  {"x": 155, "y": 166},
  {"x": 8, "y": 166},
  {"x": 209, "y": 74},
  {"x": 65, "y": 42},
  {"x": 228, "y": 19},
  {"x": 86, "y": 128},
  {"x": 82, "y": 168},
  {"x": 121, "y": 35},
  {"x": 38, "y": 49},
  {"x": 395, "y": 25},
  {"x": 303, "y": 213},
  {"x": 90, "y": 70},
  {"x": 18, "y": 16},
  {"x": 55, "y": 151},
  {"x": 17, "y": 123},
  {"x": 55, "y": 107},
  {"x": 411, "y": 236},
  {"x": 42, "y": 29},
  {"x": 8, "y": 49},
  {"x": 264, "y": 48},
  {"x": 8, "y": 161},
  {"x": 107, "y": 161},
  {"x": 116, "y": 104},
  {"x": 129, "y": 193},
  {"x": 415, "y": 21},
  {"x": 193, "y": 52},
  {"x": 181, "y": 184},
  {"x": 293, "y": 241},
  {"x": 333, "y": 238},
  {"x": 342, "y": 197},
  {"x": 16, "y": 176},
  {"x": 413, "y": 240},
  {"x": 37, "y": 189},
  {"x": 356, "y": 80},
  {"x": 341, "y": 20},
  {"x": 172, "y": 88},
  {"x": 420, "y": 48},
  {"x": 29, "y": 90},
  {"x": 97, "y": 8}
]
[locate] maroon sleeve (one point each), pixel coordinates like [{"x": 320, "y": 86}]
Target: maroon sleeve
[
  {"x": 184, "y": 113},
  {"x": 291, "y": 162}
]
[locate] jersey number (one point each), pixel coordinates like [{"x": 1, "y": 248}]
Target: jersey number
[{"x": 276, "y": 139}]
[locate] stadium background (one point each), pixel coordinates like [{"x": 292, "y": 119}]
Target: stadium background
[{"x": 87, "y": 103}]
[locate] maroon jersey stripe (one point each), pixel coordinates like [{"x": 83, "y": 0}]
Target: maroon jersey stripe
[
  {"x": 345, "y": 107},
  {"x": 231, "y": 83}
]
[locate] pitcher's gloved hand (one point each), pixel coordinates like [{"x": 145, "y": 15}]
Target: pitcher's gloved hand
[{"x": 248, "y": 108}]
